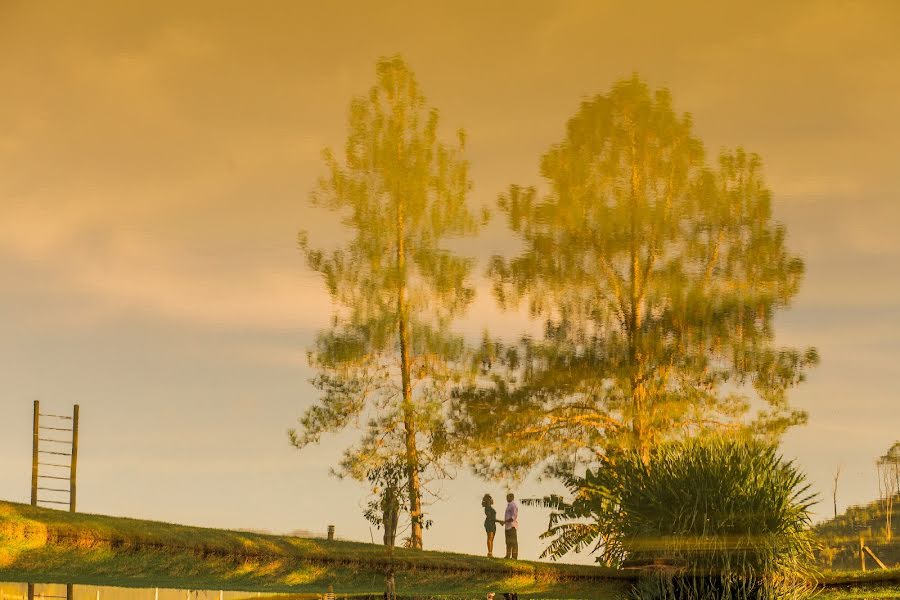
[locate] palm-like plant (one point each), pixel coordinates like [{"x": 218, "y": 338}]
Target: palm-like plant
[{"x": 728, "y": 518}]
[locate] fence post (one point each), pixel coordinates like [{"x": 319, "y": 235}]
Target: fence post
[
  {"x": 74, "y": 459},
  {"x": 875, "y": 558},
  {"x": 34, "y": 455},
  {"x": 70, "y": 591},
  {"x": 331, "y": 532},
  {"x": 862, "y": 554}
]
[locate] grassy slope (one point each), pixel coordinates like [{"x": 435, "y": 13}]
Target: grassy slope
[
  {"x": 846, "y": 578},
  {"x": 840, "y": 538},
  {"x": 42, "y": 545},
  {"x": 861, "y": 593}
]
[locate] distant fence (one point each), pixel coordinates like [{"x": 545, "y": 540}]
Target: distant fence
[{"x": 54, "y": 457}]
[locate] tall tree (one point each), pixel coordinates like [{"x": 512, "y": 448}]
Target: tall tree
[
  {"x": 889, "y": 485},
  {"x": 389, "y": 359},
  {"x": 657, "y": 277},
  {"x": 834, "y": 488}
]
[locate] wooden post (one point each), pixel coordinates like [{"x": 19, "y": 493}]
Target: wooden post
[
  {"x": 74, "y": 460},
  {"x": 70, "y": 591},
  {"x": 31, "y": 585},
  {"x": 34, "y": 457},
  {"x": 875, "y": 558},
  {"x": 862, "y": 554},
  {"x": 331, "y": 532},
  {"x": 157, "y": 594}
]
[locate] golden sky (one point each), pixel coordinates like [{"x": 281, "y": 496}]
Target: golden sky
[{"x": 156, "y": 157}]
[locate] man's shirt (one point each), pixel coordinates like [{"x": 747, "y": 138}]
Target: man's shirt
[{"x": 512, "y": 515}]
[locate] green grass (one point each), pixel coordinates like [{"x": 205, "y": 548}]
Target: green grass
[
  {"x": 859, "y": 585},
  {"x": 861, "y": 593},
  {"x": 836, "y": 578},
  {"x": 46, "y": 546}
]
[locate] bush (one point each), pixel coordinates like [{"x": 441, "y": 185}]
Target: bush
[{"x": 714, "y": 518}]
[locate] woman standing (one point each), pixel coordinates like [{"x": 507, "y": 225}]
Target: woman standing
[{"x": 490, "y": 522}]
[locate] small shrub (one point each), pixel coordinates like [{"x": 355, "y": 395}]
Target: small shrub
[{"x": 720, "y": 518}]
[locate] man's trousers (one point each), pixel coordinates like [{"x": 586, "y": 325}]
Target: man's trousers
[{"x": 512, "y": 543}]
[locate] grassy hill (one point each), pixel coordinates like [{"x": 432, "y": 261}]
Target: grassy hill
[
  {"x": 840, "y": 537},
  {"x": 46, "y": 546}
]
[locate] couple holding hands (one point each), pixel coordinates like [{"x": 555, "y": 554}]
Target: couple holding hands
[{"x": 510, "y": 524}]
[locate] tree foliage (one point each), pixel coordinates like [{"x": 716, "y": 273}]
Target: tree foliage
[
  {"x": 387, "y": 501},
  {"x": 657, "y": 276},
  {"x": 390, "y": 358}
]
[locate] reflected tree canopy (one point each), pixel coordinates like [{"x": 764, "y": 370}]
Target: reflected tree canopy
[
  {"x": 390, "y": 358},
  {"x": 657, "y": 276}
]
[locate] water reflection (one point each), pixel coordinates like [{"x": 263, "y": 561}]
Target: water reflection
[
  {"x": 391, "y": 358},
  {"x": 49, "y": 591},
  {"x": 657, "y": 274},
  {"x": 19, "y": 591}
]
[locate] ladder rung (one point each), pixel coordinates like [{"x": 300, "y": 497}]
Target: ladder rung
[
  {"x": 52, "y": 501},
  {"x": 55, "y": 416},
  {"x": 56, "y": 453},
  {"x": 54, "y": 490},
  {"x": 55, "y": 465},
  {"x": 53, "y": 477},
  {"x": 54, "y": 428},
  {"x": 57, "y": 441}
]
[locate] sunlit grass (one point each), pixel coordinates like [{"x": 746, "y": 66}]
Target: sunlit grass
[
  {"x": 98, "y": 550},
  {"x": 868, "y": 592},
  {"x": 40, "y": 545}
]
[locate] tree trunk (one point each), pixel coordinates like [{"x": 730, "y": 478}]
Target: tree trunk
[
  {"x": 390, "y": 592},
  {"x": 834, "y": 491},
  {"x": 409, "y": 422},
  {"x": 638, "y": 389},
  {"x": 888, "y": 517},
  {"x": 390, "y": 516}
]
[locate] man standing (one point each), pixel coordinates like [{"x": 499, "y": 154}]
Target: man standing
[{"x": 511, "y": 522}]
